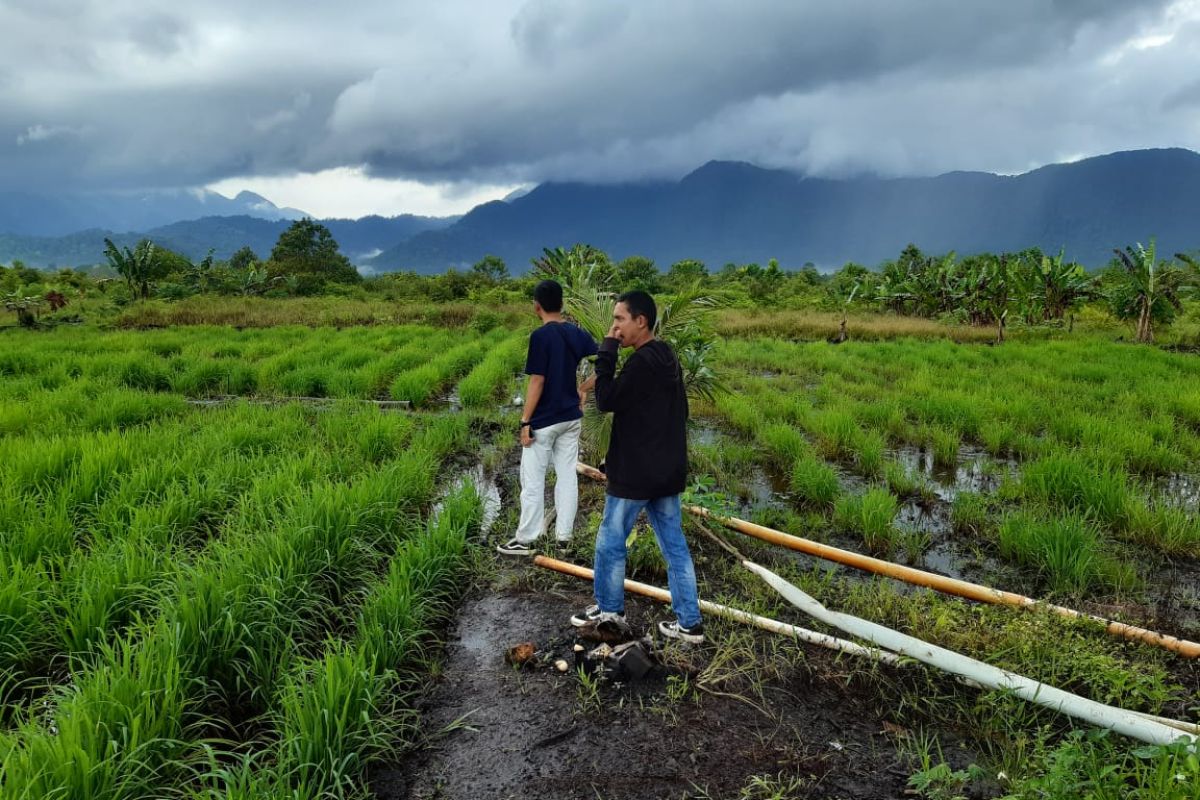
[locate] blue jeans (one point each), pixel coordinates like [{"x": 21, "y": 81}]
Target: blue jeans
[{"x": 619, "y": 516}]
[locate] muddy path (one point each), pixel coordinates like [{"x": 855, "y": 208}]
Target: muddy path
[{"x": 529, "y": 733}]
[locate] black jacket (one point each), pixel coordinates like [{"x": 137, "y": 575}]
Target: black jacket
[{"x": 647, "y": 454}]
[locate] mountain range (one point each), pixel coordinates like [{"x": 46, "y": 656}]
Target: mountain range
[
  {"x": 729, "y": 211},
  {"x": 735, "y": 212},
  {"x": 60, "y": 214}
]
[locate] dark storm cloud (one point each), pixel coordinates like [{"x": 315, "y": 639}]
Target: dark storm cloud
[{"x": 177, "y": 94}]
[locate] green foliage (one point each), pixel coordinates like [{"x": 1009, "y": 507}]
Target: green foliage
[
  {"x": 1145, "y": 291},
  {"x": 491, "y": 269},
  {"x": 1068, "y": 552},
  {"x": 637, "y": 273},
  {"x": 141, "y": 267},
  {"x": 307, "y": 252},
  {"x": 870, "y": 516},
  {"x": 815, "y": 482}
]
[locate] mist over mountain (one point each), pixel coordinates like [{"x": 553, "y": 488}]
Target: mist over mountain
[
  {"x": 60, "y": 214},
  {"x": 359, "y": 239},
  {"x": 732, "y": 211}
]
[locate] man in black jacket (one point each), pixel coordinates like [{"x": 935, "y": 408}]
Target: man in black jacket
[{"x": 646, "y": 465}]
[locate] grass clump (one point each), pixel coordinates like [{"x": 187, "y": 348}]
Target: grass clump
[
  {"x": 1068, "y": 553},
  {"x": 814, "y": 482},
  {"x": 869, "y": 515}
]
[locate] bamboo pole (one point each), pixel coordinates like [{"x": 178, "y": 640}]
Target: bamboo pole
[
  {"x": 1119, "y": 720},
  {"x": 766, "y": 623},
  {"x": 941, "y": 583}
]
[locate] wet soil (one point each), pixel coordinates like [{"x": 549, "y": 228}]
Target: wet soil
[{"x": 527, "y": 733}]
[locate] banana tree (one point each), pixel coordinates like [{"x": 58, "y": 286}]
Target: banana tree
[
  {"x": 1063, "y": 286},
  {"x": 139, "y": 266},
  {"x": 1192, "y": 273},
  {"x": 1147, "y": 292}
]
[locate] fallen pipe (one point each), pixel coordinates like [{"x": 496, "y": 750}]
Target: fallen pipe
[
  {"x": 796, "y": 632},
  {"x": 1119, "y": 720},
  {"x": 941, "y": 583},
  {"x": 766, "y": 623}
]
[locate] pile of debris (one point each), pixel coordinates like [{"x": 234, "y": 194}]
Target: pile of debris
[{"x": 608, "y": 650}]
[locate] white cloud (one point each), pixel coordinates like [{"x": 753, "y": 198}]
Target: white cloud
[
  {"x": 41, "y": 133},
  {"x": 349, "y": 192}
]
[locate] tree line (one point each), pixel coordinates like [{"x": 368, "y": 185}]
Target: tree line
[{"x": 984, "y": 289}]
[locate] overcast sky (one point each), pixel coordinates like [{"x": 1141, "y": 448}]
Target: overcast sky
[{"x": 344, "y": 109}]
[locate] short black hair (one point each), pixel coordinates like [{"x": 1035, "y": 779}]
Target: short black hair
[
  {"x": 548, "y": 295},
  {"x": 640, "y": 304}
]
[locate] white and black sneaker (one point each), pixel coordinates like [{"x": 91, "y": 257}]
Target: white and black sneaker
[
  {"x": 673, "y": 630},
  {"x": 515, "y": 547},
  {"x": 593, "y": 614}
]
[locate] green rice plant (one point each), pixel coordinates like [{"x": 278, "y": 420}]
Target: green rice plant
[
  {"x": 739, "y": 411},
  {"x": 814, "y": 482},
  {"x": 971, "y": 514},
  {"x": 381, "y": 437},
  {"x": 837, "y": 433},
  {"x": 785, "y": 442},
  {"x": 202, "y": 379},
  {"x": 900, "y": 481},
  {"x": 398, "y": 613},
  {"x": 869, "y": 515},
  {"x": 36, "y": 529},
  {"x": 101, "y": 594},
  {"x": 124, "y": 408},
  {"x": 418, "y": 385},
  {"x": 494, "y": 373},
  {"x": 1067, "y": 481},
  {"x": 868, "y": 453},
  {"x": 944, "y": 443},
  {"x": 1068, "y": 552},
  {"x": 39, "y": 468},
  {"x": 1167, "y": 528},
  {"x": 313, "y": 380},
  {"x": 25, "y": 621},
  {"x": 116, "y": 733},
  {"x": 145, "y": 375},
  {"x": 331, "y": 725}
]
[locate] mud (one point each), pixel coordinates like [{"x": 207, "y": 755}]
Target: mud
[
  {"x": 1180, "y": 490},
  {"x": 526, "y": 733}
]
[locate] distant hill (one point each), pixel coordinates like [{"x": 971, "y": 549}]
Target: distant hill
[
  {"x": 728, "y": 211},
  {"x": 59, "y": 214},
  {"x": 731, "y": 211},
  {"x": 358, "y": 239}
]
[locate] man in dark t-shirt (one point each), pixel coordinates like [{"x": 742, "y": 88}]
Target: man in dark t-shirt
[
  {"x": 646, "y": 465},
  {"x": 551, "y": 421}
]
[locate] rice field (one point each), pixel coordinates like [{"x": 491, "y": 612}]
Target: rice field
[
  {"x": 225, "y": 555},
  {"x": 225, "y": 599},
  {"x": 1062, "y": 468}
]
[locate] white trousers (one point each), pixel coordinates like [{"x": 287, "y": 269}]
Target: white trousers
[{"x": 556, "y": 444}]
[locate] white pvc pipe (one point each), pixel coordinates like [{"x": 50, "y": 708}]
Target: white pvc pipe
[{"x": 1119, "y": 720}]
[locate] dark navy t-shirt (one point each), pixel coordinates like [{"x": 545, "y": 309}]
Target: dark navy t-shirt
[{"x": 555, "y": 350}]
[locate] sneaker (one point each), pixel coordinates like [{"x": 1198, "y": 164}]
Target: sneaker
[
  {"x": 594, "y": 614},
  {"x": 515, "y": 547},
  {"x": 673, "y": 630}
]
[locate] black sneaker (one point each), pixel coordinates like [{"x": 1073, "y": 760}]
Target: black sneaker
[
  {"x": 673, "y": 630},
  {"x": 515, "y": 547},
  {"x": 594, "y": 614}
]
